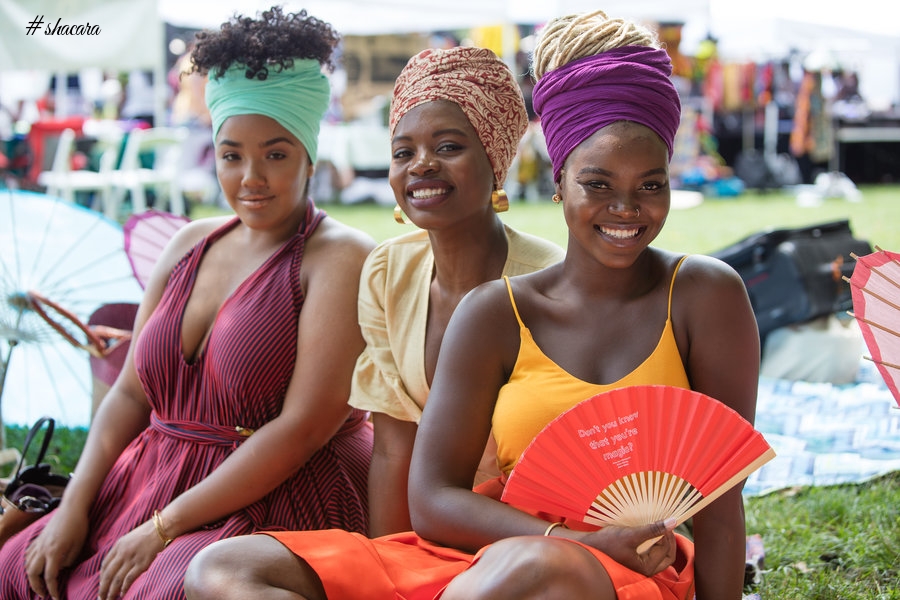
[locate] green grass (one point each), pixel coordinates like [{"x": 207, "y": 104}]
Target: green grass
[
  {"x": 718, "y": 223},
  {"x": 828, "y": 543},
  {"x": 822, "y": 543},
  {"x": 65, "y": 447}
]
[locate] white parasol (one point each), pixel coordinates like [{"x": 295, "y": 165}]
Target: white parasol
[{"x": 65, "y": 261}]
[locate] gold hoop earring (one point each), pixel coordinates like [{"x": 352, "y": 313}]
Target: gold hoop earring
[
  {"x": 557, "y": 198},
  {"x": 499, "y": 201},
  {"x": 398, "y": 215}
]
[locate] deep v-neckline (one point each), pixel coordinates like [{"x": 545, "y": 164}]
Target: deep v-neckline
[{"x": 202, "y": 346}]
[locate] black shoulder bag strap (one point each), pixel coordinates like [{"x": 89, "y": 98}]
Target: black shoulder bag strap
[{"x": 45, "y": 443}]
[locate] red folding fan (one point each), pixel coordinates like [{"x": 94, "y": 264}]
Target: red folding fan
[{"x": 636, "y": 455}]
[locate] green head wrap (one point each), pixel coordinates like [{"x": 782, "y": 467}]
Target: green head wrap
[{"x": 297, "y": 98}]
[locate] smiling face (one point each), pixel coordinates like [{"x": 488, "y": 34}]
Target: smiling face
[
  {"x": 263, "y": 170},
  {"x": 615, "y": 190},
  {"x": 439, "y": 170}
]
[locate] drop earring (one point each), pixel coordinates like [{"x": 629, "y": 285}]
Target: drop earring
[
  {"x": 499, "y": 201},
  {"x": 398, "y": 215}
]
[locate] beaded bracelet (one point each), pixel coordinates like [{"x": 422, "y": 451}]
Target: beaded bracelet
[
  {"x": 160, "y": 530},
  {"x": 553, "y": 526}
]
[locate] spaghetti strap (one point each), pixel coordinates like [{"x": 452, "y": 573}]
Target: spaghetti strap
[
  {"x": 512, "y": 301},
  {"x": 671, "y": 286}
]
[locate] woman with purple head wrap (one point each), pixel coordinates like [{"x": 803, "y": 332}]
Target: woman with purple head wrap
[
  {"x": 584, "y": 96},
  {"x": 617, "y": 312}
]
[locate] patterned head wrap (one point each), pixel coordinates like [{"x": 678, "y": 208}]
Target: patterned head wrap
[
  {"x": 483, "y": 87},
  {"x": 297, "y": 98},
  {"x": 623, "y": 84}
]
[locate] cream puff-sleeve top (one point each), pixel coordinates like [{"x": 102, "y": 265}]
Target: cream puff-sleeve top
[{"x": 393, "y": 308}]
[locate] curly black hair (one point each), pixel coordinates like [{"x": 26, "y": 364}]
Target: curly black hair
[{"x": 271, "y": 41}]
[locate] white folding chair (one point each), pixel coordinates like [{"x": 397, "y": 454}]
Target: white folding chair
[
  {"x": 63, "y": 182},
  {"x": 132, "y": 178}
]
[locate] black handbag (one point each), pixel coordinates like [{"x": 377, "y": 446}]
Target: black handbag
[
  {"x": 794, "y": 275},
  {"x": 34, "y": 490}
]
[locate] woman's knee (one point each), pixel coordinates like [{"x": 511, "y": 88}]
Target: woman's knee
[
  {"x": 531, "y": 568},
  {"x": 251, "y": 566},
  {"x": 217, "y": 567}
]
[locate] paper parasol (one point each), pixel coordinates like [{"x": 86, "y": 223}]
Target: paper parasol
[
  {"x": 636, "y": 455},
  {"x": 146, "y": 234},
  {"x": 59, "y": 262},
  {"x": 875, "y": 287}
]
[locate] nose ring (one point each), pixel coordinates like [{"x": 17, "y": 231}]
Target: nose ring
[{"x": 636, "y": 210}]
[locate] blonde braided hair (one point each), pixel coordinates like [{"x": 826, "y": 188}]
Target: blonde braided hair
[{"x": 571, "y": 37}]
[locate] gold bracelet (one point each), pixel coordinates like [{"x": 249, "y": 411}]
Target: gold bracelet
[
  {"x": 160, "y": 530},
  {"x": 553, "y": 526}
]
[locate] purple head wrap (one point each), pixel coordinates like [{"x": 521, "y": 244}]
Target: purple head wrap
[{"x": 623, "y": 84}]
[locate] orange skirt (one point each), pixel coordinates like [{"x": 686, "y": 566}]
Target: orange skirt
[{"x": 403, "y": 566}]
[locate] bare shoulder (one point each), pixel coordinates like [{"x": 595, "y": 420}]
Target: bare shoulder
[
  {"x": 710, "y": 294},
  {"x": 491, "y": 307},
  {"x": 486, "y": 297},
  {"x": 483, "y": 329},
  {"x": 337, "y": 252},
  {"x": 701, "y": 274},
  {"x": 188, "y": 236},
  {"x": 340, "y": 242},
  {"x": 486, "y": 310}
]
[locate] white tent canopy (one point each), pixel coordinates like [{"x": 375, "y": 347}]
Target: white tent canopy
[
  {"x": 124, "y": 35},
  {"x": 129, "y": 35},
  {"x": 866, "y": 35},
  {"x": 371, "y": 17}
]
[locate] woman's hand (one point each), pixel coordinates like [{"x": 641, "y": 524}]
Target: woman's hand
[
  {"x": 127, "y": 559},
  {"x": 54, "y": 549},
  {"x": 621, "y": 543}
]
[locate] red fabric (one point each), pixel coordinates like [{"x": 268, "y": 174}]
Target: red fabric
[
  {"x": 406, "y": 567},
  {"x": 37, "y": 139},
  {"x": 403, "y": 566},
  {"x": 675, "y": 583},
  {"x": 353, "y": 567}
]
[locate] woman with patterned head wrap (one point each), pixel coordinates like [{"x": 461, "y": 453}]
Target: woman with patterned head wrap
[
  {"x": 231, "y": 413},
  {"x": 456, "y": 119}
]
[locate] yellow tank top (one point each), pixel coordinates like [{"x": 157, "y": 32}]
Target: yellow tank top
[{"x": 539, "y": 390}]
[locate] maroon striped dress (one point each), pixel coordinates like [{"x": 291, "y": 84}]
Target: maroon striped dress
[{"x": 238, "y": 380}]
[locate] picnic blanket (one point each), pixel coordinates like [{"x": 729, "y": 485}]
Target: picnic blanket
[{"x": 826, "y": 434}]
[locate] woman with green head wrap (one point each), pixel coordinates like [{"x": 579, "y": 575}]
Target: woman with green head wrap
[{"x": 230, "y": 415}]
